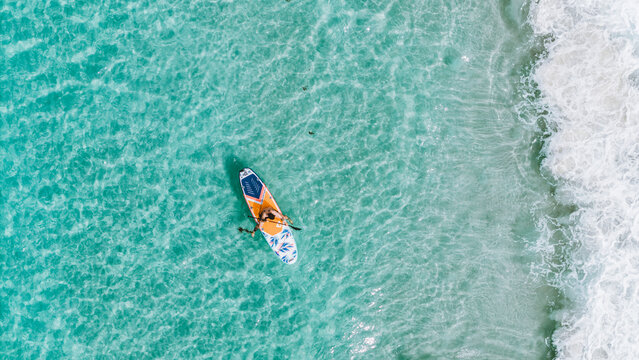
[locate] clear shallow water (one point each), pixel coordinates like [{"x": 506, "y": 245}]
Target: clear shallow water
[{"x": 124, "y": 126}]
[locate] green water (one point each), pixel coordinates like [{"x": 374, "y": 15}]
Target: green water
[{"x": 123, "y": 126}]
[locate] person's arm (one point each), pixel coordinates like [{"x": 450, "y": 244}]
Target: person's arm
[
  {"x": 255, "y": 229},
  {"x": 282, "y": 216}
]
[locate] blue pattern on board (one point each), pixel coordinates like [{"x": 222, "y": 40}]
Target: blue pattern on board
[
  {"x": 252, "y": 186},
  {"x": 287, "y": 251}
]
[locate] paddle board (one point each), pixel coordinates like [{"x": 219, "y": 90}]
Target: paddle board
[{"x": 276, "y": 232}]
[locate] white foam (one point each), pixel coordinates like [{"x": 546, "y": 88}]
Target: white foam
[{"x": 588, "y": 84}]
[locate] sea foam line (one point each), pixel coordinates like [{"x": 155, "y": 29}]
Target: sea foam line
[{"x": 589, "y": 81}]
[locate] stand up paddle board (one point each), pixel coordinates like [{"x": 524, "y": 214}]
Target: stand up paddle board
[{"x": 276, "y": 232}]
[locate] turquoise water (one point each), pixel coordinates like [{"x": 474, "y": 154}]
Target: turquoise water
[{"x": 123, "y": 127}]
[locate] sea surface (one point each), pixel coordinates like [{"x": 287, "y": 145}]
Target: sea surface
[{"x": 464, "y": 174}]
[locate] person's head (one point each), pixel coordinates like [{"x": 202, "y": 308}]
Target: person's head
[{"x": 267, "y": 214}]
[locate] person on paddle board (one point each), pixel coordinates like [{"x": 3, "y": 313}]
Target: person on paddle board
[{"x": 268, "y": 215}]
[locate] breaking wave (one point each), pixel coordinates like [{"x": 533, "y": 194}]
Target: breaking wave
[{"x": 589, "y": 84}]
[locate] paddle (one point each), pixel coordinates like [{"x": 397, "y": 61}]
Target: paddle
[
  {"x": 241, "y": 229},
  {"x": 275, "y": 222}
]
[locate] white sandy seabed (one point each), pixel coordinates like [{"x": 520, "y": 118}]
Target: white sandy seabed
[{"x": 590, "y": 84}]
